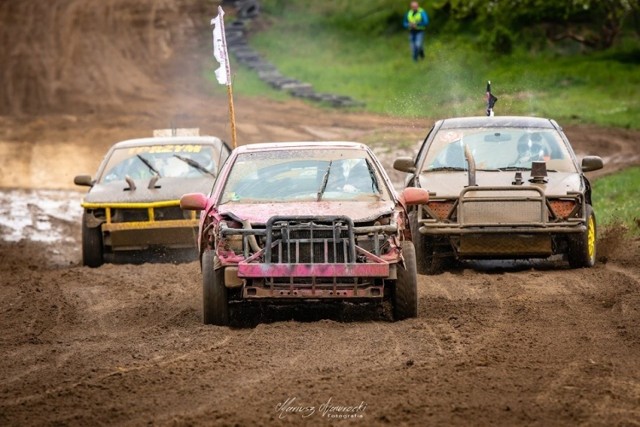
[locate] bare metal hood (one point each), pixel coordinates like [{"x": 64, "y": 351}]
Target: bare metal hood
[
  {"x": 169, "y": 189},
  {"x": 358, "y": 211},
  {"x": 449, "y": 184}
]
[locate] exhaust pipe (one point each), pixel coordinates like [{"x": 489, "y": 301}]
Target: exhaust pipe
[{"x": 472, "y": 166}]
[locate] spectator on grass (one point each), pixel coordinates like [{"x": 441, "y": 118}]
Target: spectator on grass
[{"x": 416, "y": 21}]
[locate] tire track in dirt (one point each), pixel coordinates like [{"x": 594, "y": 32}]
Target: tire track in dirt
[{"x": 509, "y": 343}]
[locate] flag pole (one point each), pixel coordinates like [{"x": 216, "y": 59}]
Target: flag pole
[
  {"x": 232, "y": 115},
  {"x": 222, "y": 56}
]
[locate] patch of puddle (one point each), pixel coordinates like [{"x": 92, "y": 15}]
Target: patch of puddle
[{"x": 46, "y": 216}]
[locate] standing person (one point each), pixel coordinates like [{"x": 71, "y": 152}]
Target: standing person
[{"x": 416, "y": 21}]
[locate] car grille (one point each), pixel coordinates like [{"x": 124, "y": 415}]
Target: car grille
[
  {"x": 143, "y": 214},
  {"x": 310, "y": 240},
  {"x": 487, "y": 207},
  {"x": 507, "y": 212},
  {"x": 310, "y": 248}
]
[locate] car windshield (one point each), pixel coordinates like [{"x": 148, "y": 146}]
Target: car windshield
[
  {"x": 167, "y": 161},
  {"x": 303, "y": 175},
  {"x": 506, "y": 148}
]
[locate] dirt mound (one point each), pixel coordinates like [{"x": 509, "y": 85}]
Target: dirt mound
[{"x": 82, "y": 56}]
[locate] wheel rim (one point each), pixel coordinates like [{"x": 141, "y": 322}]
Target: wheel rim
[{"x": 591, "y": 238}]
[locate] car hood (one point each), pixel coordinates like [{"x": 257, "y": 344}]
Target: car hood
[
  {"x": 169, "y": 189},
  {"x": 260, "y": 213},
  {"x": 450, "y": 184}
]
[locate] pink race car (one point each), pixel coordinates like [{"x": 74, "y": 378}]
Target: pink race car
[{"x": 305, "y": 222}]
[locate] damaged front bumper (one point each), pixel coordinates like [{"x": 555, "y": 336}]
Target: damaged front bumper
[
  {"x": 314, "y": 258},
  {"x": 504, "y": 222}
]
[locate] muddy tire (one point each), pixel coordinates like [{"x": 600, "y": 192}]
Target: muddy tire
[
  {"x": 215, "y": 303},
  {"x": 419, "y": 243},
  {"x": 582, "y": 247},
  {"x": 92, "y": 248},
  {"x": 427, "y": 260},
  {"x": 405, "y": 295}
]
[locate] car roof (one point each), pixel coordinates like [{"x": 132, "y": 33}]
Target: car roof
[
  {"x": 497, "y": 121},
  {"x": 167, "y": 140},
  {"x": 274, "y": 146}
]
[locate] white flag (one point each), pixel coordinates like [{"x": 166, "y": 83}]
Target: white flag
[{"x": 220, "y": 48}]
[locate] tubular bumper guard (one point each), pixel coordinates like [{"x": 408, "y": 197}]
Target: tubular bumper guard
[
  {"x": 319, "y": 257},
  {"x": 491, "y": 210}
]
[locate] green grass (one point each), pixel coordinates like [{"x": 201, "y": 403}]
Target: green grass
[
  {"x": 599, "y": 88},
  {"x": 616, "y": 198}
]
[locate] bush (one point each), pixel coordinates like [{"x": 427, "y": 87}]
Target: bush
[{"x": 500, "y": 40}]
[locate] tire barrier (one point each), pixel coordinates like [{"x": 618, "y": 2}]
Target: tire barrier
[
  {"x": 236, "y": 35},
  {"x": 248, "y": 9}
]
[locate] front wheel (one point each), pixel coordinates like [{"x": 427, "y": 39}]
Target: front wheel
[
  {"x": 429, "y": 260},
  {"x": 215, "y": 302},
  {"x": 405, "y": 295},
  {"x": 582, "y": 247},
  {"x": 92, "y": 248},
  {"x": 420, "y": 244}
]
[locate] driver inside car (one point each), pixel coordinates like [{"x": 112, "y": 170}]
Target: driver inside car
[{"x": 530, "y": 149}]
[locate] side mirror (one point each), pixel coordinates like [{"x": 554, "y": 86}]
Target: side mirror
[
  {"x": 84, "y": 180},
  {"x": 414, "y": 196},
  {"x": 193, "y": 202},
  {"x": 404, "y": 164},
  {"x": 592, "y": 163}
]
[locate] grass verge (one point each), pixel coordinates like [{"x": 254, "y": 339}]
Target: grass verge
[{"x": 616, "y": 200}]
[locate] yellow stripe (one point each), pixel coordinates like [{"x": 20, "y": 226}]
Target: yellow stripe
[
  {"x": 176, "y": 223},
  {"x": 139, "y": 205}
]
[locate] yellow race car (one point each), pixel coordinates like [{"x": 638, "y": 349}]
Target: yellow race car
[{"x": 133, "y": 204}]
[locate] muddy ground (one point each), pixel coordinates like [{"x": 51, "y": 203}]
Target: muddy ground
[{"x": 527, "y": 343}]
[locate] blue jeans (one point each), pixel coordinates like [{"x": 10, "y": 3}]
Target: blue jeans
[{"x": 416, "y": 41}]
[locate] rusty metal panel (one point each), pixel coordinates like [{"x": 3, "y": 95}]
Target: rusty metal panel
[{"x": 505, "y": 245}]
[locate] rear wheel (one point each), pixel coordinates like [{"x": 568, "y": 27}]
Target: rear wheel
[
  {"x": 582, "y": 247},
  {"x": 405, "y": 296},
  {"x": 92, "y": 249},
  {"x": 215, "y": 302}
]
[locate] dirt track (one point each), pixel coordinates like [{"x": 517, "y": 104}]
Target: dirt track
[{"x": 501, "y": 344}]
